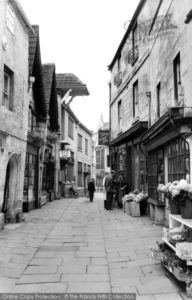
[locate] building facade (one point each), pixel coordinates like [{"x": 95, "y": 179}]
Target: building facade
[
  {"x": 101, "y": 153},
  {"x": 14, "y": 103},
  {"x": 76, "y": 139},
  {"x": 150, "y": 103}
]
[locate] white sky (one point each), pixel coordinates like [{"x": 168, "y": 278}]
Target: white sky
[{"x": 81, "y": 37}]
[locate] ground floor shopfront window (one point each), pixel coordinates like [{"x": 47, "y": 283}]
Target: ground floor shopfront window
[
  {"x": 178, "y": 160},
  {"x": 155, "y": 172},
  {"x": 175, "y": 156},
  {"x": 30, "y": 181}
]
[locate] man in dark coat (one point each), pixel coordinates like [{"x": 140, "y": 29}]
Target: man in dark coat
[
  {"x": 91, "y": 189},
  {"x": 110, "y": 188}
]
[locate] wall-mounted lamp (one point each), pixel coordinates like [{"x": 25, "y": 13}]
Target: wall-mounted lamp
[{"x": 188, "y": 17}]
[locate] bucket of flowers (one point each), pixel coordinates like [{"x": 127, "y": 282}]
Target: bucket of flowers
[{"x": 179, "y": 195}]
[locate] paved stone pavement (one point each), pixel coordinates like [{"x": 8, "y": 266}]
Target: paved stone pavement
[{"x": 72, "y": 245}]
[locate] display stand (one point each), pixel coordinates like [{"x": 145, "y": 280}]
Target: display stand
[
  {"x": 176, "y": 221},
  {"x": 157, "y": 211}
]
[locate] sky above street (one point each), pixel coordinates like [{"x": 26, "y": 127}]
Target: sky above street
[{"x": 81, "y": 37}]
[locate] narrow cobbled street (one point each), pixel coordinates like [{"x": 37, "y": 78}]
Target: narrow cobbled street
[{"x": 71, "y": 245}]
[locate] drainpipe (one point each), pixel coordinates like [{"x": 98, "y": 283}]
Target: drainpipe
[{"x": 109, "y": 123}]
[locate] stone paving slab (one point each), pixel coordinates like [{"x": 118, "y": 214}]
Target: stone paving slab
[
  {"x": 45, "y": 261},
  {"x": 73, "y": 268},
  {"x": 40, "y": 288},
  {"x": 170, "y": 296},
  {"x": 74, "y": 246},
  {"x": 51, "y": 269},
  {"x": 27, "y": 279}
]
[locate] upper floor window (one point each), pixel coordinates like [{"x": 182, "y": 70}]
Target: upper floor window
[
  {"x": 10, "y": 18},
  {"x": 32, "y": 121},
  {"x": 70, "y": 128},
  {"x": 86, "y": 146},
  {"x": 8, "y": 88},
  {"x": 158, "y": 92},
  {"x": 177, "y": 78},
  {"x": 135, "y": 99},
  {"x": 135, "y": 43},
  {"x": 80, "y": 142},
  {"x": 119, "y": 64},
  {"x": 100, "y": 160},
  {"x": 119, "y": 115}
]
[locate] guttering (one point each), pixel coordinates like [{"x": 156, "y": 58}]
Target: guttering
[{"x": 22, "y": 14}]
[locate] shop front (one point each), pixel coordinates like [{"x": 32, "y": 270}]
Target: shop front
[
  {"x": 127, "y": 157},
  {"x": 30, "y": 192},
  {"x": 167, "y": 144},
  {"x": 48, "y": 175}
]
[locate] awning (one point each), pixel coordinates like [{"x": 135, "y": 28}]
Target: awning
[
  {"x": 173, "y": 123},
  {"x": 134, "y": 132},
  {"x": 69, "y": 81}
]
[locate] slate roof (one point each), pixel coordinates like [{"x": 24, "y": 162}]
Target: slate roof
[
  {"x": 51, "y": 103},
  {"x": 33, "y": 37},
  {"x": 35, "y": 69},
  {"x": 69, "y": 81}
]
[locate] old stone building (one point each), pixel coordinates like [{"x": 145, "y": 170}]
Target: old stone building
[
  {"x": 76, "y": 139},
  {"x": 37, "y": 123},
  {"x": 150, "y": 98},
  {"x": 14, "y": 103},
  {"x": 50, "y": 181}
]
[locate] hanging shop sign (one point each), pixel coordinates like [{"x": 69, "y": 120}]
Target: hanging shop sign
[
  {"x": 65, "y": 153},
  {"x": 103, "y": 136}
]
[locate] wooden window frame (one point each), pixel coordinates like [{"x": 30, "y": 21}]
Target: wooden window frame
[
  {"x": 178, "y": 160},
  {"x": 177, "y": 77},
  {"x": 135, "y": 97},
  {"x": 158, "y": 94}
]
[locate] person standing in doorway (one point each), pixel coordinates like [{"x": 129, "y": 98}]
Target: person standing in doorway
[
  {"x": 110, "y": 188},
  {"x": 91, "y": 189}
]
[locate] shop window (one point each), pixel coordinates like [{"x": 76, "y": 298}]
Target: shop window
[
  {"x": 135, "y": 99},
  {"x": 155, "y": 173},
  {"x": 177, "y": 78},
  {"x": 8, "y": 88},
  {"x": 122, "y": 160},
  {"x": 80, "y": 174},
  {"x": 80, "y": 142},
  {"x": 178, "y": 160},
  {"x": 30, "y": 179}
]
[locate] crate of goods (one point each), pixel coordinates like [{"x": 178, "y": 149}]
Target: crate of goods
[{"x": 135, "y": 209}]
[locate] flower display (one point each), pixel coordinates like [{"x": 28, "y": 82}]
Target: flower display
[
  {"x": 175, "y": 188},
  {"x": 135, "y": 196}
]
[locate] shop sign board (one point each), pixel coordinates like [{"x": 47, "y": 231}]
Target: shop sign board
[
  {"x": 65, "y": 153},
  {"x": 103, "y": 136}
]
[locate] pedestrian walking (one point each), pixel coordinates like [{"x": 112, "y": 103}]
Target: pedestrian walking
[
  {"x": 91, "y": 189},
  {"x": 110, "y": 187}
]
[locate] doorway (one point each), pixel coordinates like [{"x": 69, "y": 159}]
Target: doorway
[{"x": 10, "y": 188}]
